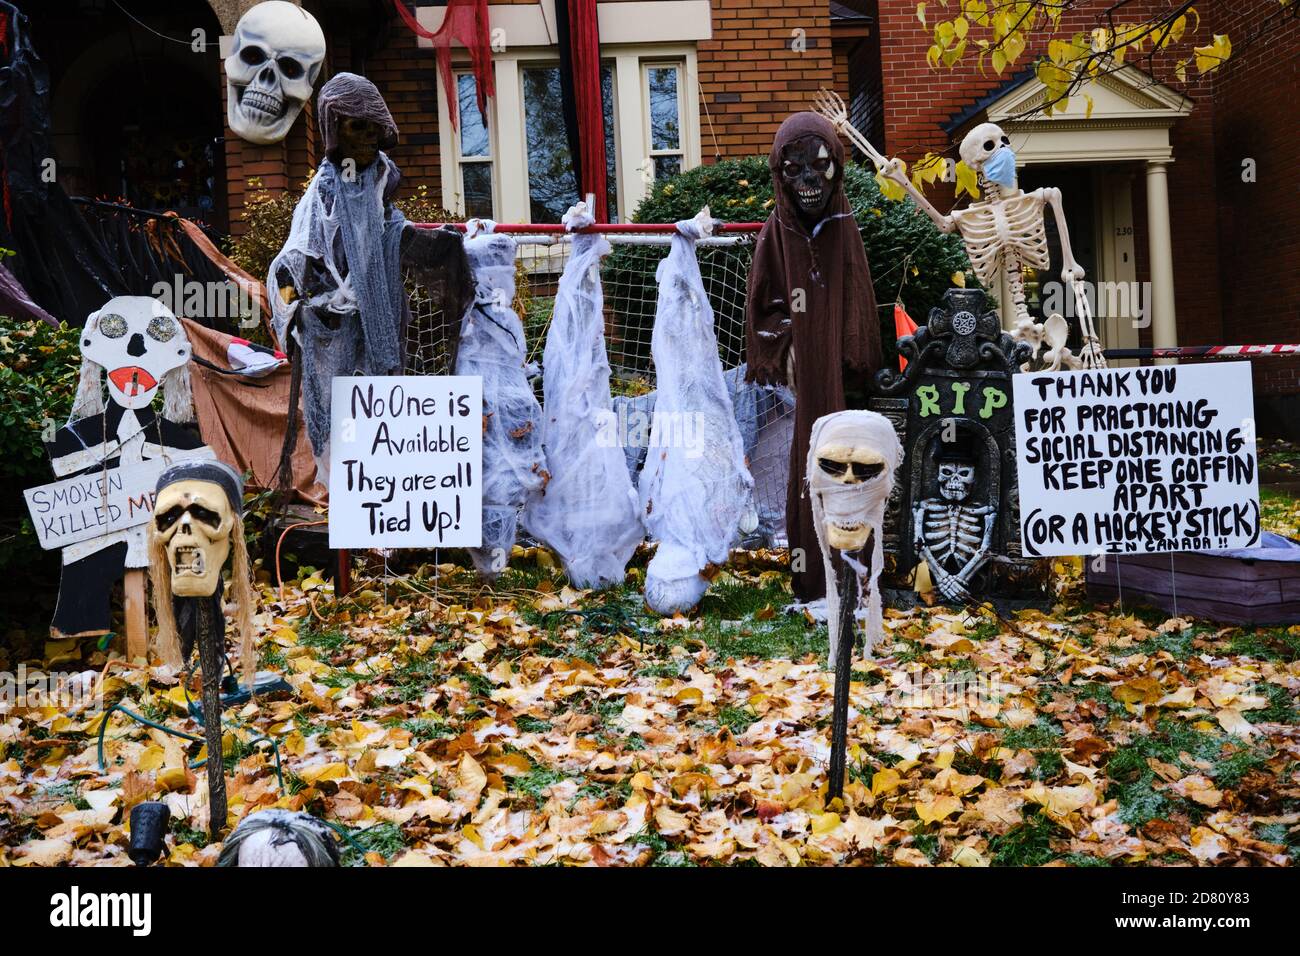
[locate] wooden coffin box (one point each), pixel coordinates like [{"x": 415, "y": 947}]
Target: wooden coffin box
[{"x": 1250, "y": 586}]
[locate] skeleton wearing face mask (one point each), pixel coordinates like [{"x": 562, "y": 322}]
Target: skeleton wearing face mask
[
  {"x": 198, "y": 525},
  {"x": 1004, "y": 232},
  {"x": 276, "y": 56},
  {"x": 136, "y": 348},
  {"x": 952, "y": 533},
  {"x": 342, "y": 304},
  {"x": 811, "y": 309},
  {"x": 852, "y": 458}
]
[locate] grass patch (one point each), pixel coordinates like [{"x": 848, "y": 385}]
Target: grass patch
[
  {"x": 536, "y": 781},
  {"x": 424, "y": 728},
  {"x": 386, "y": 839},
  {"x": 737, "y": 719},
  {"x": 331, "y": 640},
  {"x": 1042, "y": 739},
  {"x": 1028, "y": 843}
]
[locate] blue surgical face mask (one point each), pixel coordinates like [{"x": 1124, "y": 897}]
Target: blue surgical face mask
[{"x": 1001, "y": 169}]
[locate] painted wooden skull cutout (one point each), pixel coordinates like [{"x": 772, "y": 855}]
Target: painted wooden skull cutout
[
  {"x": 194, "y": 519},
  {"x": 137, "y": 341},
  {"x": 276, "y": 57},
  {"x": 808, "y": 174}
]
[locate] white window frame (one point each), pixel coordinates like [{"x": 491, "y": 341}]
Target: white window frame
[
  {"x": 651, "y": 152},
  {"x": 459, "y": 160},
  {"x": 631, "y": 122}
]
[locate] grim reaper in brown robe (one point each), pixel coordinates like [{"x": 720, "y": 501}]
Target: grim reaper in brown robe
[{"x": 811, "y": 311}]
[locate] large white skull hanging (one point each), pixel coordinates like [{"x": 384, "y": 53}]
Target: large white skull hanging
[
  {"x": 277, "y": 55},
  {"x": 852, "y": 457},
  {"x": 141, "y": 346}
]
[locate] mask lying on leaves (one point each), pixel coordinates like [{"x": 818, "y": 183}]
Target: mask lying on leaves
[{"x": 808, "y": 175}]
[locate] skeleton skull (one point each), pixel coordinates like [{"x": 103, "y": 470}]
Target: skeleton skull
[
  {"x": 137, "y": 340},
  {"x": 358, "y": 140},
  {"x": 808, "y": 172},
  {"x": 276, "y": 57},
  {"x": 194, "y": 520},
  {"x": 982, "y": 144},
  {"x": 956, "y": 480}
]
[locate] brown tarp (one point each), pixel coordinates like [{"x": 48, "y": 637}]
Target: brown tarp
[{"x": 243, "y": 419}]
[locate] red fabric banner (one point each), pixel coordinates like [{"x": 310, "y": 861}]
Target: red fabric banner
[
  {"x": 584, "y": 41},
  {"x": 467, "y": 22}
]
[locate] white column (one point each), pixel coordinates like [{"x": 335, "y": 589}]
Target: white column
[{"x": 1164, "y": 323}]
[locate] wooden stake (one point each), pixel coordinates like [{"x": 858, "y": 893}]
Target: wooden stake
[{"x": 137, "y": 624}]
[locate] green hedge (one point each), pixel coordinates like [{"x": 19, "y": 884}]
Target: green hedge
[
  {"x": 39, "y": 368},
  {"x": 909, "y": 257}
]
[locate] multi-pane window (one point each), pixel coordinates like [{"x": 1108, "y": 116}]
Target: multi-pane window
[
  {"x": 475, "y": 151},
  {"x": 663, "y": 92},
  {"x": 552, "y": 184}
]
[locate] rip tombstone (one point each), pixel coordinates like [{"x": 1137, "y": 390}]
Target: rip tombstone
[{"x": 952, "y": 515}]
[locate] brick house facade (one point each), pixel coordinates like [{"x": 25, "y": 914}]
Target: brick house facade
[{"x": 735, "y": 68}]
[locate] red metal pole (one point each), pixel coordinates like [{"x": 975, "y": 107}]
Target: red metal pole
[{"x": 612, "y": 228}]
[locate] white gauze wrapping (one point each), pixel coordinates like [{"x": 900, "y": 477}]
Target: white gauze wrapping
[
  {"x": 863, "y": 502},
  {"x": 588, "y": 511},
  {"x": 492, "y": 345},
  {"x": 695, "y": 489}
]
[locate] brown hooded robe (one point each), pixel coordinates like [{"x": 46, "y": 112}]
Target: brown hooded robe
[{"x": 838, "y": 326}]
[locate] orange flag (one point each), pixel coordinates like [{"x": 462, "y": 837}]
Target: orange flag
[{"x": 903, "y": 325}]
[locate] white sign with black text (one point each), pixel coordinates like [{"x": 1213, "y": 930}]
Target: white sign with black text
[
  {"x": 1137, "y": 460},
  {"x": 406, "y": 456},
  {"x": 101, "y": 501}
]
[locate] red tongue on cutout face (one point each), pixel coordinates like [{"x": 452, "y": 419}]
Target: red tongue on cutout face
[{"x": 131, "y": 380}]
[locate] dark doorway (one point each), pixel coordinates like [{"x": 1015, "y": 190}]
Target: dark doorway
[
  {"x": 1076, "y": 185},
  {"x": 136, "y": 102}
]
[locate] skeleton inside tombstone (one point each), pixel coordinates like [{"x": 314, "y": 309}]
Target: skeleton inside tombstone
[
  {"x": 1004, "y": 232},
  {"x": 852, "y": 458},
  {"x": 343, "y": 307},
  {"x": 276, "y": 56},
  {"x": 136, "y": 348},
  {"x": 951, "y": 531}
]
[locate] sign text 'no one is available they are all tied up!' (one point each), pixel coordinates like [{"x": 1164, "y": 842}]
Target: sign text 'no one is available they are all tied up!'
[{"x": 406, "y": 456}]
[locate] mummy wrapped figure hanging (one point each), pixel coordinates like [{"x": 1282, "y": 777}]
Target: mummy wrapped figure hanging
[
  {"x": 198, "y": 524},
  {"x": 695, "y": 489},
  {"x": 139, "y": 348},
  {"x": 852, "y": 457},
  {"x": 277, "y": 53},
  {"x": 1004, "y": 232},
  {"x": 811, "y": 309},
  {"x": 342, "y": 305},
  {"x": 492, "y": 346},
  {"x": 588, "y": 512}
]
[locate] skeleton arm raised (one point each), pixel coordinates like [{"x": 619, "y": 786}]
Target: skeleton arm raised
[{"x": 832, "y": 107}]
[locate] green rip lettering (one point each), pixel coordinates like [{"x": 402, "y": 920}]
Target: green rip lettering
[{"x": 994, "y": 398}]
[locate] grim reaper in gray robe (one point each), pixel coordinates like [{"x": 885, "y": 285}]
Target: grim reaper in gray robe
[{"x": 342, "y": 305}]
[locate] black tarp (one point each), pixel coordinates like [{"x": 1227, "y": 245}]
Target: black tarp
[{"x": 59, "y": 261}]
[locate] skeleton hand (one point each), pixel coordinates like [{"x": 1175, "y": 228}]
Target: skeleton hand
[
  {"x": 951, "y": 587},
  {"x": 893, "y": 170},
  {"x": 789, "y": 369}
]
